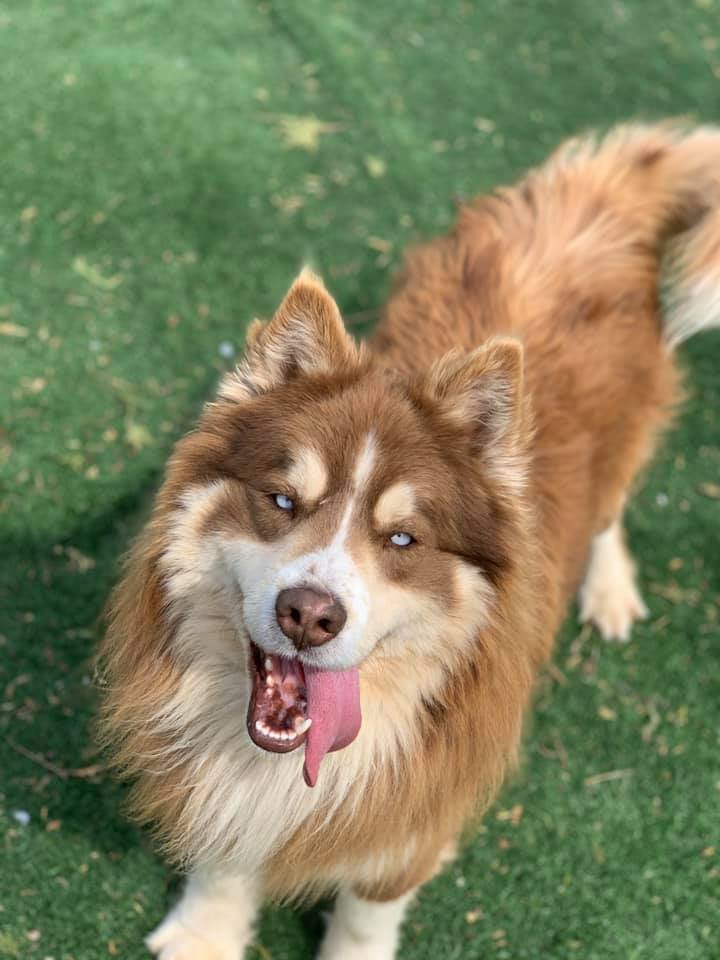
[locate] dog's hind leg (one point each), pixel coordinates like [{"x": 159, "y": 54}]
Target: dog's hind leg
[
  {"x": 609, "y": 597},
  {"x": 213, "y": 920}
]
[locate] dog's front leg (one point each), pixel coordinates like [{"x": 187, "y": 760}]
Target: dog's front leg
[
  {"x": 364, "y": 929},
  {"x": 213, "y": 920}
]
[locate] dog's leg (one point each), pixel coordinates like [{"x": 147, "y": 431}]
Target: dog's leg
[
  {"x": 363, "y": 929},
  {"x": 609, "y": 597},
  {"x": 213, "y": 920}
]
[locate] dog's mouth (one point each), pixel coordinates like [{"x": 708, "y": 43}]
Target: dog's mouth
[
  {"x": 277, "y": 717},
  {"x": 293, "y": 704}
]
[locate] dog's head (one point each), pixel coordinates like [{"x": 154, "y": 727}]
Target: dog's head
[{"x": 345, "y": 513}]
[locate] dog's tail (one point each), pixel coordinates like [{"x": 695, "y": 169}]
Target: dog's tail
[{"x": 616, "y": 208}]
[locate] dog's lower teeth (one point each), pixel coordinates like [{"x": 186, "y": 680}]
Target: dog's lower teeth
[{"x": 303, "y": 726}]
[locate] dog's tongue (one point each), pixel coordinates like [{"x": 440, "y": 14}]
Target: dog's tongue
[{"x": 333, "y": 705}]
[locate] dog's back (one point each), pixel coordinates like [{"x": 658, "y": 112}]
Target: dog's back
[{"x": 569, "y": 260}]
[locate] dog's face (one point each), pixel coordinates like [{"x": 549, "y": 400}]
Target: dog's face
[{"x": 345, "y": 512}]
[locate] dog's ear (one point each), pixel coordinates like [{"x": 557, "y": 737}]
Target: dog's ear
[
  {"x": 306, "y": 336},
  {"x": 482, "y": 391}
]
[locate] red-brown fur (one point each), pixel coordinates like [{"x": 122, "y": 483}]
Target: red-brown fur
[{"x": 568, "y": 263}]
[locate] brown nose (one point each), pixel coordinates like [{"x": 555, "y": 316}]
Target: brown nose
[{"x": 309, "y": 618}]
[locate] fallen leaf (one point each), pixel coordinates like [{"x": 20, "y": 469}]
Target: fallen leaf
[
  {"x": 287, "y": 204},
  {"x": 679, "y": 717},
  {"x": 377, "y": 243},
  {"x": 13, "y": 330},
  {"x": 710, "y": 490},
  {"x": 597, "y": 778},
  {"x": 77, "y": 561},
  {"x": 303, "y": 133},
  {"x": 673, "y": 593},
  {"x": 28, "y": 214},
  {"x": 484, "y": 124},
  {"x": 33, "y": 384},
  {"x": 376, "y": 167},
  {"x": 607, "y": 713},
  {"x": 513, "y": 815},
  {"x": 472, "y": 916},
  {"x": 93, "y": 275},
  {"x": 137, "y": 436}
]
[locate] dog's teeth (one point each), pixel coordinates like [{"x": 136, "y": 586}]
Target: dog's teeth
[
  {"x": 270, "y": 680},
  {"x": 305, "y": 725},
  {"x": 268, "y": 664}
]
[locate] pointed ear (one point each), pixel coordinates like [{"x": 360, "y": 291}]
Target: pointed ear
[
  {"x": 483, "y": 391},
  {"x": 306, "y": 336}
]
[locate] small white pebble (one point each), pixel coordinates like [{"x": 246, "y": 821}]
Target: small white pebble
[
  {"x": 662, "y": 500},
  {"x": 22, "y": 817},
  {"x": 226, "y": 350}
]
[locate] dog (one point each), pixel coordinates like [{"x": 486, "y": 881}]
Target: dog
[{"x": 326, "y": 639}]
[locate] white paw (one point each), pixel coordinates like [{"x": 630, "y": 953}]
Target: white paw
[
  {"x": 354, "y": 950},
  {"x": 173, "y": 941},
  {"x": 612, "y": 602}
]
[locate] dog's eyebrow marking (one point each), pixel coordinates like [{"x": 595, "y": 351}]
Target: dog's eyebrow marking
[
  {"x": 394, "y": 504},
  {"x": 308, "y": 474},
  {"x": 363, "y": 469},
  {"x": 365, "y": 462}
]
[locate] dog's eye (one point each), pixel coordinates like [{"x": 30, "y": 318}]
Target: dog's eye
[
  {"x": 285, "y": 503},
  {"x": 401, "y": 539}
]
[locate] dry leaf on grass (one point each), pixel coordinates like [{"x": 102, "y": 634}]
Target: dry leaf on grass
[
  {"x": 93, "y": 275},
  {"x": 137, "y": 436},
  {"x": 13, "y": 330},
  {"x": 303, "y": 133}
]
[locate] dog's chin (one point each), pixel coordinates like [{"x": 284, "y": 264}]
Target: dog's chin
[{"x": 277, "y": 718}]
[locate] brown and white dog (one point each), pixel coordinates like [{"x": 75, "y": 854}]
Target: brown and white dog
[{"x": 320, "y": 656}]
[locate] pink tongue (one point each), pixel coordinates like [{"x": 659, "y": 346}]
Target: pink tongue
[{"x": 333, "y": 698}]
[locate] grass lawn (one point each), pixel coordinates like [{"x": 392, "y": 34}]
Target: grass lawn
[{"x": 165, "y": 168}]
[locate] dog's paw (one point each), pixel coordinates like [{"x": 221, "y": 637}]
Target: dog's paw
[
  {"x": 352, "y": 950},
  {"x": 612, "y": 602},
  {"x": 172, "y": 941}
]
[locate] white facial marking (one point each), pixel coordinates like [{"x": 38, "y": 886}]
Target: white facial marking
[
  {"x": 308, "y": 475},
  {"x": 365, "y": 462},
  {"x": 395, "y": 504}
]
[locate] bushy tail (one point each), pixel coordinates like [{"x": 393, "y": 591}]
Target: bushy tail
[{"x": 640, "y": 196}]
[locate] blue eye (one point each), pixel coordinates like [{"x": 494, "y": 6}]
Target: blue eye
[
  {"x": 285, "y": 503},
  {"x": 401, "y": 539}
]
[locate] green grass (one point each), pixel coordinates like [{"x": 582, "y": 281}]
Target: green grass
[{"x": 151, "y": 204}]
